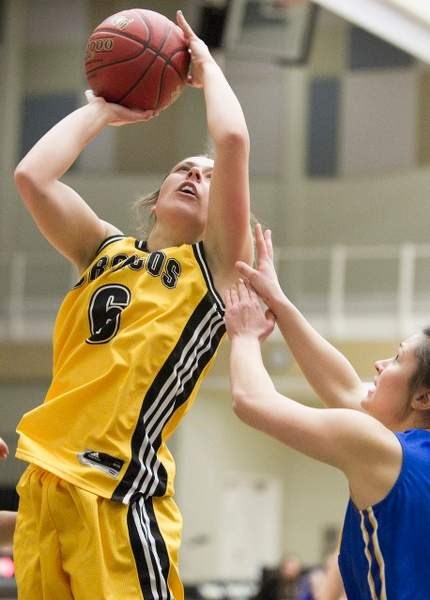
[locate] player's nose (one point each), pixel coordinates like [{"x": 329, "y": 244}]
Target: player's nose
[
  {"x": 380, "y": 365},
  {"x": 195, "y": 173}
]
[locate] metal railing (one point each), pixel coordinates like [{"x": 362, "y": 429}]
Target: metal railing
[
  {"x": 365, "y": 291},
  {"x": 351, "y": 291}
]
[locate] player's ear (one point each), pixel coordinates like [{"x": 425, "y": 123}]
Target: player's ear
[{"x": 421, "y": 399}]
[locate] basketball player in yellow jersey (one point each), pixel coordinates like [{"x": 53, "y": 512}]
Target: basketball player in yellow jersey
[{"x": 132, "y": 342}]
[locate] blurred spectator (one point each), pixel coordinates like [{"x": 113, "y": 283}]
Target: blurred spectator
[
  {"x": 281, "y": 583},
  {"x": 322, "y": 582},
  {"x": 7, "y": 518},
  {"x": 7, "y": 527},
  {"x": 332, "y": 588},
  {"x": 311, "y": 584}
]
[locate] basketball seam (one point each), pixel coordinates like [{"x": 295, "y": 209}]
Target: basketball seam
[
  {"x": 169, "y": 30},
  {"x": 165, "y": 65},
  {"x": 157, "y": 54}
]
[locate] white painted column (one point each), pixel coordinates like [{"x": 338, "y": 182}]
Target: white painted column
[{"x": 11, "y": 66}]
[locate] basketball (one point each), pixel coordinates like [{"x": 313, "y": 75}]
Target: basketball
[{"x": 137, "y": 58}]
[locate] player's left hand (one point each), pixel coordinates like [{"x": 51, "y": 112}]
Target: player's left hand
[
  {"x": 200, "y": 54},
  {"x": 244, "y": 315},
  {"x": 116, "y": 114}
]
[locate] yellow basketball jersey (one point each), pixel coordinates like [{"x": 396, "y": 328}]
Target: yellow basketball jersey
[{"x": 132, "y": 342}]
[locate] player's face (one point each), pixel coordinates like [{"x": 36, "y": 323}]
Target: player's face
[
  {"x": 389, "y": 399},
  {"x": 185, "y": 191}
]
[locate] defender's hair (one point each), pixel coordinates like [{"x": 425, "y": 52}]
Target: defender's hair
[{"x": 421, "y": 376}]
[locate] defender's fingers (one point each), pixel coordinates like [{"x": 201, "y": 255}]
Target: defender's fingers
[
  {"x": 226, "y": 298},
  {"x": 242, "y": 290},
  {"x": 270, "y": 316},
  {"x": 268, "y": 243},
  {"x": 245, "y": 270},
  {"x": 260, "y": 242},
  {"x": 251, "y": 292},
  {"x": 234, "y": 296}
]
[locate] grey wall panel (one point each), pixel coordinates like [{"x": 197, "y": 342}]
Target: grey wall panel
[
  {"x": 369, "y": 52},
  {"x": 40, "y": 113},
  {"x": 323, "y": 126},
  {"x": 379, "y": 117}
]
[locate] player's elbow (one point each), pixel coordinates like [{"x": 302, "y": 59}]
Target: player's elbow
[
  {"x": 27, "y": 182},
  {"x": 241, "y": 403},
  {"x": 235, "y": 140},
  {"x": 24, "y": 177}
]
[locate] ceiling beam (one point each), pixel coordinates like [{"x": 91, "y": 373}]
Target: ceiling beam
[{"x": 405, "y": 24}]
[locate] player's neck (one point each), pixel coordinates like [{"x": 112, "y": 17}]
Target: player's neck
[{"x": 162, "y": 237}]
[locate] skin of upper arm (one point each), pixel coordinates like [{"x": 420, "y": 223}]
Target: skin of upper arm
[
  {"x": 228, "y": 235},
  {"x": 368, "y": 453},
  {"x": 64, "y": 219}
]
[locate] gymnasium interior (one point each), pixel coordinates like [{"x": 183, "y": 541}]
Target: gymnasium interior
[{"x": 336, "y": 95}]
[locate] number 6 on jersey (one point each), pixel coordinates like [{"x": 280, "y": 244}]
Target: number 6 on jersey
[{"x": 104, "y": 312}]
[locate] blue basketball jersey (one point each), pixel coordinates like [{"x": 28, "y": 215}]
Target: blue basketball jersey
[{"x": 385, "y": 548}]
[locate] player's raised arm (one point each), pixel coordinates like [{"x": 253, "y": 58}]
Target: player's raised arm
[
  {"x": 328, "y": 371},
  {"x": 367, "y": 452},
  {"x": 62, "y": 216},
  {"x": 228, "y": 236}
]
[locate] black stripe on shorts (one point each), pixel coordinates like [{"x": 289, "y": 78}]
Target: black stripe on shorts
[{"x": 149, "y": 549}]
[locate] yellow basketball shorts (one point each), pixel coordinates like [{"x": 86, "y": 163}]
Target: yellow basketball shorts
[{"x": 73, "y": 545}]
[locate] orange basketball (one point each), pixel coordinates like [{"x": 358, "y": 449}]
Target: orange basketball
[{"x": 137, "y": 58}]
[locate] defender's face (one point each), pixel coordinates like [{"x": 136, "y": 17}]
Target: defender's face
[
  {"x": 389, "y": 399},
  {"x": 184, "y": 193}
]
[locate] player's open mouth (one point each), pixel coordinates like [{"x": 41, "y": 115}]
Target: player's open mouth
[{"x": 189, "y": 189}]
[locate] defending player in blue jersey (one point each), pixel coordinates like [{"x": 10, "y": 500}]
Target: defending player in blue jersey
[
  {"x": 379, "y": 438},
  {"x": 133, "y": 341}
]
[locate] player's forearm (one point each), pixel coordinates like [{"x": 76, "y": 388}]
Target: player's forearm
[
  {"x": 59, "y": 148},
  {"x": 328, "y": 371},
  {"x": 249, "y": 379},
  {"x": 256, "y": 401},
  {"x": 225, "y": 118}
]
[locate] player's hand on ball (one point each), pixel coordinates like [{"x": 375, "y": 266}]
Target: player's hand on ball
[
  {"x": 119, "y": 115},
  {"x": 199, "y": 52}
]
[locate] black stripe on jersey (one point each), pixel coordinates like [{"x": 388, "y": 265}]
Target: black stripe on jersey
[
  {"x": 152, "y": 478},
  {"x": 109, "y": 240},
  {"x": 149, "y": 550},
  {"x": 199, "y": 253},
  {"x": 141, "y": 245},
  {"x": 171, "y": 388}
]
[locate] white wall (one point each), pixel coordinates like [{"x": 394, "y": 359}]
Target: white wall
[
  {"x": 212, "y": 442},
  {"x": 392, "y": 207}
]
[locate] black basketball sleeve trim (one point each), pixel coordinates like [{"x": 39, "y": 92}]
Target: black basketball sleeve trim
[
  {"x": 199, "y": 253},
  {"x": 107, "y": 241}
]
